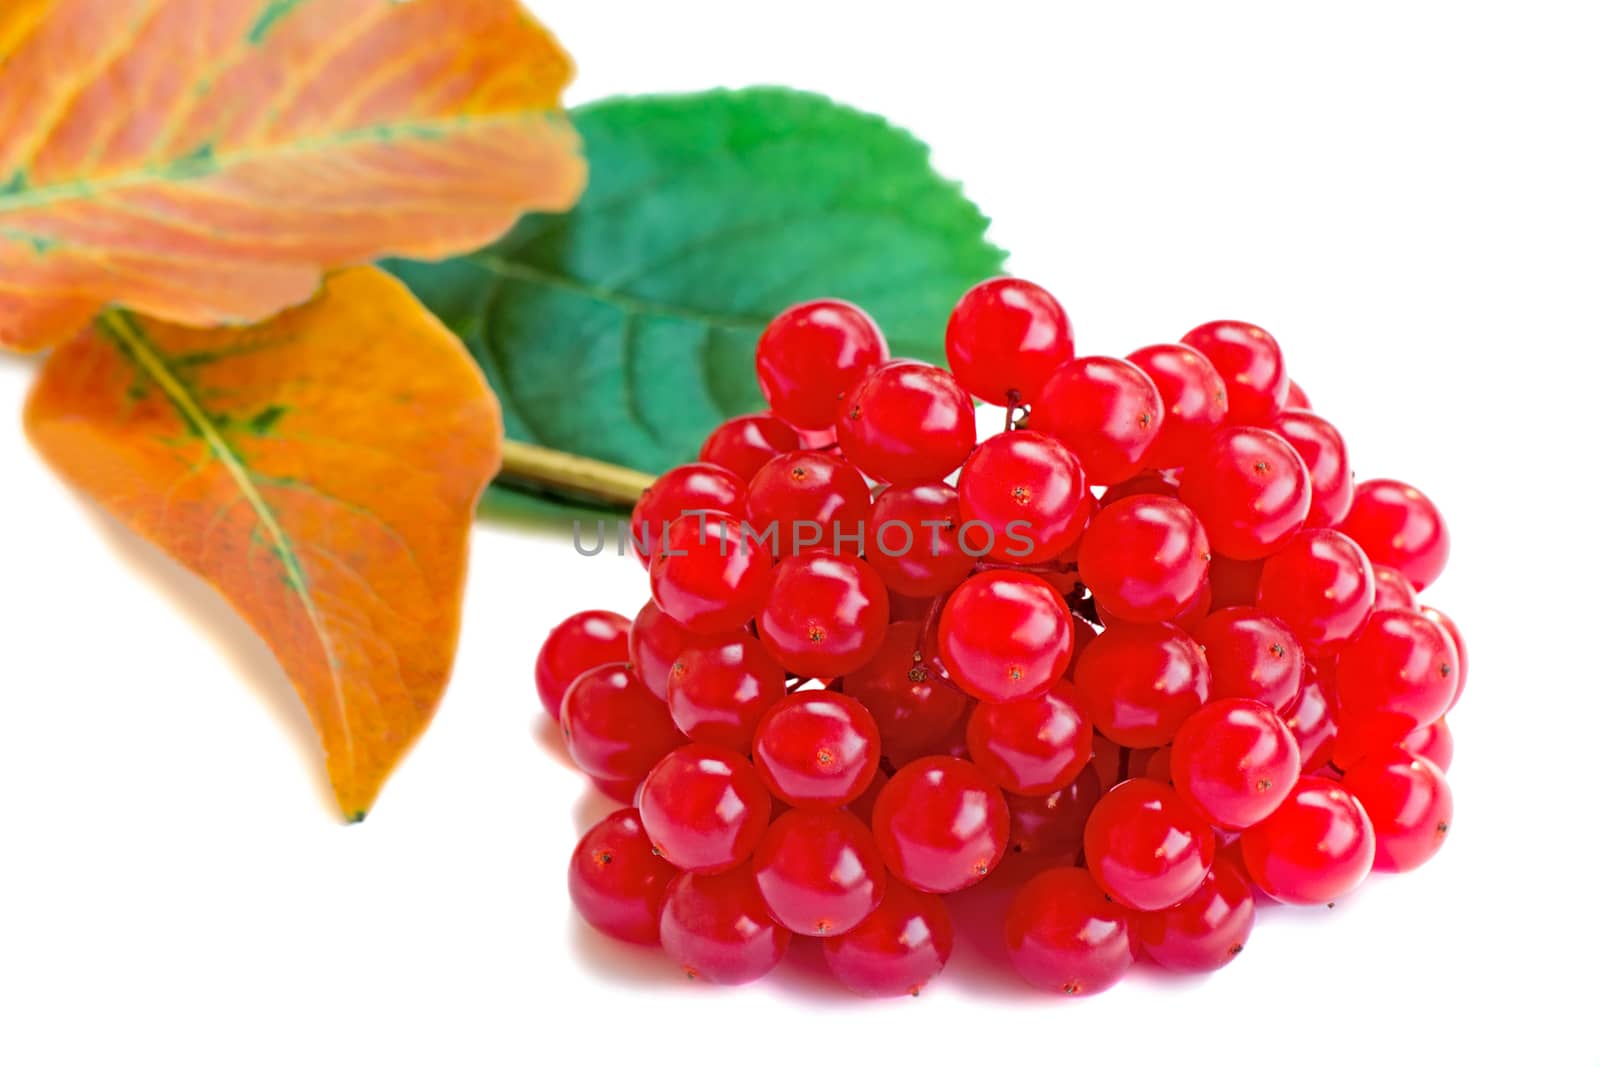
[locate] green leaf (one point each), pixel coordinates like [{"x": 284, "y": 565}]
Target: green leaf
[{"x": 626, "y": 329}]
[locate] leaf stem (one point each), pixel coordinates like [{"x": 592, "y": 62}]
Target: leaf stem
[{"x": 570, "y": 475}]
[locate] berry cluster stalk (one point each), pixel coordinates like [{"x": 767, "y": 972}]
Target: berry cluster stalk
[{"x": 569, "y": 475}]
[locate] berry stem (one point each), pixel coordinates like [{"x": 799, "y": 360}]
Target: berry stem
[{"x": 570, "y": 475}]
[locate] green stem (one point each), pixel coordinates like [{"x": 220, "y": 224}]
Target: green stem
[{"x": 569, "y": 475}]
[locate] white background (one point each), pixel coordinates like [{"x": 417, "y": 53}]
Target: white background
[{"x": 1404, "y": 194}]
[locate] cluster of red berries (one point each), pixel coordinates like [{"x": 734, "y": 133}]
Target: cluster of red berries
[{"x": 882, "y": 660}]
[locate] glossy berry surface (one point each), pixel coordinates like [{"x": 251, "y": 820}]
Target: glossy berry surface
[
  {"x": 907, "y": 422},
  {"x": 1318, "y": 845},
  {"x": 809, "y": 502},
  {"x": 1208, "y": 928},
  {"x": 1020, "y": 496},
  {"x": 1392, "y": 590},
  {"x": 1145, "y": 847},
  {"x": 1033, "y": 747},
  {"x": 1146, "y": 558},
  {"x": 817, "y": 749},
  {"x": 1194, "y": 400},
  {"x": 1052, "y": 825},
  {"x": 913, "y": 708},
  {"x": 717, "y": 928},
  {"x": 680, "y": 491},
  {"x": 1432, "y": 742},
  {"x": 1252, "y": 656},
  {"x": 617, "y": 882},
  {"x": 1004, "y": 338},
  {"x": 744, "y": 443},
  {"x": 1399, "y": 527},
  {"x": 1005, "y": 635},
  {"x": 912, "y": 539},
  {"x": 1250, "y": 489},
  {"x": 1320, "y": 586},
  {"x": 1402, "y": 665},
  {"x": 1063, "y": 935},
  {"x": 940, "y": 824},
  {"x": 704, "y": 808},
  {"x": 655, "y": 642},
  {"x": 825, "y": 615},
  {"x": 1251, "y": 365},
  {"x": 811, "y": 355},
  {"x": 1327, "y": 461},
  {"x": 1106, "y": 411},
  {"x": 1139, "y": 683},
  {"x": 1452, "y": 631},
  {"x": 1234, "y": 761},
  {"x": 718, "y": 692},
  {"x": 819, "y": 871},
  {"x": 577, "y": 643},
  {"x": 1234, "y": 582},
  {"x": 709, "y": 576},
  {"x": 896, "y": 950},
  {"x": 614, "y": 727},
  {"x": 1409, "y": 803}
]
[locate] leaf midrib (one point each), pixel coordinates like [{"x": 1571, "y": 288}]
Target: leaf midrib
[
  {"x": 133, "y": 342},
  {"x": 195, "y": 168}
]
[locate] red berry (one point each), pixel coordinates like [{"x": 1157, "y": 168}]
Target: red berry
[
  {"x": 704, "y": 808},
  {"x": 1409, "y": 803},
  {"x": 614, "y": 726},
  {"x": 616, "y": 880},
  {"x": 1402, "y": 665},
  {"x": 898, "y": 949},
  {"x": 1320, "y": 585},
  {"x": 1006, "y": 336},
  {"x": 1147, "y": 483},
  {"x": 811, "y": 355},
  {"x": 1448, "y": 625},
  {"x": 1234, "y": 762},
  {"x": 914, "y": 710},
  {"x": 940, "y": 824},
  {"x": 1207, "y": 929},
  {"x": 577, "y": 643},
  {"x": 1392, "y": 590},
  {"x": 1005, "y": 635},
  {"x": 1399, "y": 527},
  {"x": 817, "y": 749},
  {"x": 825, "y": 616},
  {"x": 656, "y": 641},
  {"x": 809, "y": 502},
  {"x": 710, "y": 575},
  {"x": 1327, "y": 462},
  {"x": 1139, "y": 683},
  {"x": 912, "y": 540},
  {"x": 1433, "y": 743},
  {"x": 1144, "y": 558},
  {"x": 683, "y": 490},
  {"x": 1297, "y": 397},
  {"x": 1193, "y": 397},
  {"x": 1310, "y": 719},
  {"x": 717, "y": 928},
  {"x": 907, "y": 422},
  {"x": 717, "y": 693},
  {"x": 1250, "y": 489},
  {"x": 1251, "y": 366},
  {"x": 1035, "y": 746},
  {"x": 1052, "y": 825},
  {"x": 1106, "y": 411},
  {"x": 745, "y": 442},
  {"x": 1315, "y": 848},
  {"x": 1020, "y": 497},
  {"x": 622, "y": 790},
  {"x": 1145, "y": 847},
  {"x": 819, "y": 872},
  {"x": 1063, "y": 935},
  {"x": 1250, "y": 656}
]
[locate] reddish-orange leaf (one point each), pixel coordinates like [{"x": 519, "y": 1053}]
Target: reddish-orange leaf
[
  {"x": 204, "y": 161},
  {"x": 320, "y": 469}
]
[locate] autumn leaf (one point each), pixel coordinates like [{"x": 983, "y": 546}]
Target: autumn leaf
[
  {"x": 204, "y": 161},
  {"x": 320, "y": 470}
]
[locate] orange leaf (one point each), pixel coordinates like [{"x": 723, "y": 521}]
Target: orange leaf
[
  {"x": 204, "y": 161},
  {"x": 320, "y": 470}
]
